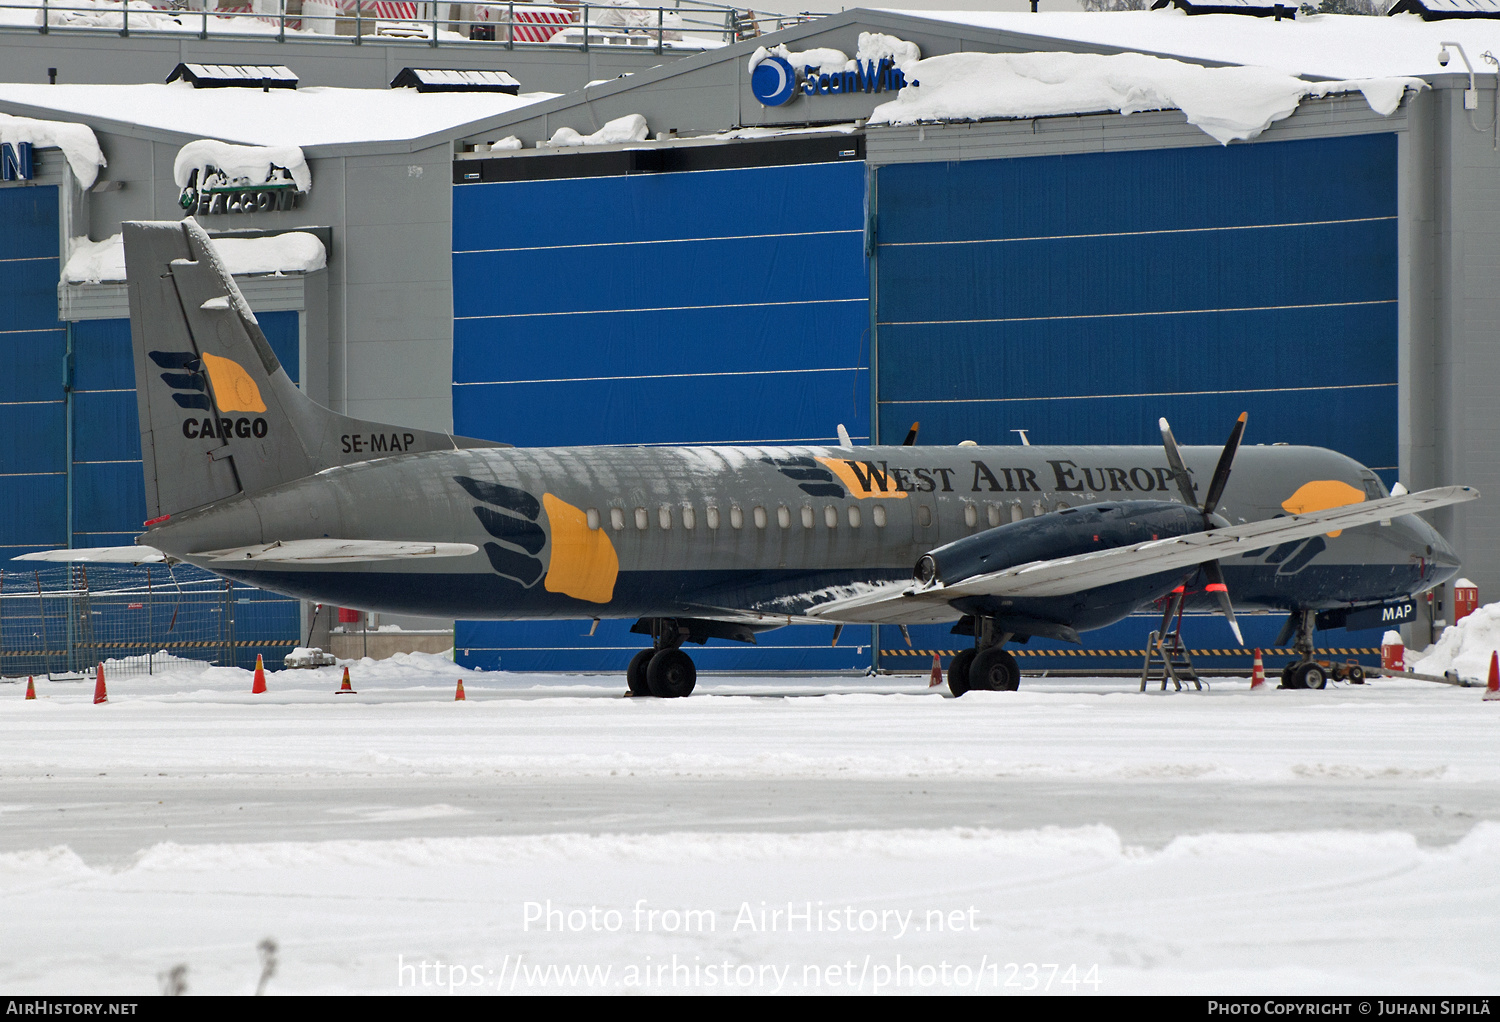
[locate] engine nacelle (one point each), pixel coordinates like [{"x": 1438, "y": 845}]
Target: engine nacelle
[{"x": 1066, "y": 533}]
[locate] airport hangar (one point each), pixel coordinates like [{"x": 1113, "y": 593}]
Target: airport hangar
[{"x": 760, "y": 274}]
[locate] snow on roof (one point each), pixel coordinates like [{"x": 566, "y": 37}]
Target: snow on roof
[
  {"x": 216, "y": 76},
  {"x": 77, "y": 142},
  {"x": 293, "y": 252},
  {"x": 1227, "y": 103},
  {"x": 1324, "y": 45},
  {"x": 304, "y": 117}
]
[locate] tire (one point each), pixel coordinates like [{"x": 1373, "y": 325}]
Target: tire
[
  {"x": 995, "y": 670},
  {"x": 1309, "y": 676},
  {"x": 672, "y": 674},
  {"x": 958, "y": 671},
  {"x": 635, "y": 674},
  {"x": 1287, "y": 676},
  {"x": 1356, "y": 675}
]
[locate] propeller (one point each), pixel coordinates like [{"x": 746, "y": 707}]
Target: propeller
[
  {"x": 911, "y": 436},
  {"x": 1212, "y": 575}
]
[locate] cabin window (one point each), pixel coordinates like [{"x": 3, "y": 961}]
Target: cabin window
[
  {"x": 664, "y": 516},
  {"x": 877, "y": 515},
  {"x": 736, "y": 517},
  {"x": 831, "y": 517},
  {"x": 992, "y": 512},
  {"x": 853, "y": 516},
  {"x": 711, "y": 515},
  {"x": 593, "y": 517},
  {"x": 1062, "y": 505},
  {"x": 1017, "y": 512},
  {"x": 689, "y": 517},
  {"x": 617, "y": 518},
  {"x": 784, "y": 516},
  {"x": 971, "y": 515},
  {"x": 641, "y": 520},
  {"x": 807, "y": 516},
  {"x": 924, "y": 515},
  {"x": 758, "y": 513}
]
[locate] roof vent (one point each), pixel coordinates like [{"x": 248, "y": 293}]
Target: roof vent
[
  {"x": 234, "y": 76},
  {"x": 1252, "y": 8},
  {"x": 1442, "y": 10},
  {"x": 432, "y": 79}
]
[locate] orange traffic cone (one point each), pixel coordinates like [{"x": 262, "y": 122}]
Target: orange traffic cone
[
  {"x": 260, "y": 677},
  {"x": 1258, "y": 673},
  {"x": 346, "y": 687},
  {"x": 100, "y": 696},
  {"x": 1492, "y": 690},
  {"x": 458, "y": 696},
  {"x": 30, "y": 688},
  {"x": 937, "y": 673}
]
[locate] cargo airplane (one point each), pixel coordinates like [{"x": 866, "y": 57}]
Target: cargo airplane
[{"x": 250, "y": 479}]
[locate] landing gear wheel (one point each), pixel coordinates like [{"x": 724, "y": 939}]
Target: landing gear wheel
[
  {"x": 1309, "y": 676},
  {"x": 995, "y": 670},
  {"x": 635, "y": 674},
  {"x": 958, "y": 671},
  {"x": 1286, "y": 676},
  {"x": 1356, "y": 674},
  {"x": 672, "y": 674}
]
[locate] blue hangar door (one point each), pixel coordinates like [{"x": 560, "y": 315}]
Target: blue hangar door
[
  {"x": 684, "y": 306},
  {"x": 1082, "y": 297}
]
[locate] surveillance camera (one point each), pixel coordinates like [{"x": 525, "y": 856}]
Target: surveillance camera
[{"x": 1443, "y": 57}]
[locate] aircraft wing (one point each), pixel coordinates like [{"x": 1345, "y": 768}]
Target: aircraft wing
[
  {"x": 332, "y": 551},
  {"x": 910, "y": 602},
  {"x": 99, "y": 555}
]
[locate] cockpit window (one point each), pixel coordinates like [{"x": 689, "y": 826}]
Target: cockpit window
[{"x": 1374, "y": 488}]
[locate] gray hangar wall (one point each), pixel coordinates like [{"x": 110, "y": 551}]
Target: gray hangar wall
[{"x": 1078, "y": 295}]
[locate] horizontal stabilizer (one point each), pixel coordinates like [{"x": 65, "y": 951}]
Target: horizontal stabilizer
[
  {"x": 1063, "y": 576},
  {"x": 333, "y": 551},
  {"x": 99, "y": 555}
]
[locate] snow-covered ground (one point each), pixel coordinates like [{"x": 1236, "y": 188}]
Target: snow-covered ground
[{"x": 802, "y": 835}]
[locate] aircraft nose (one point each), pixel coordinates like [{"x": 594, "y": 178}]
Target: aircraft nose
[{"x": 1442, "y": 554}]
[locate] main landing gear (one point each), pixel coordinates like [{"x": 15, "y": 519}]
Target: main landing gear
[
  {"x": 988, "y": 667},
  {"x": 1305, "y": 672},
  {"x": 664, "y": 670}
]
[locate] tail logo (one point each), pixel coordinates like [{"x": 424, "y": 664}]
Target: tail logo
[{"x": 233, "y": 388}]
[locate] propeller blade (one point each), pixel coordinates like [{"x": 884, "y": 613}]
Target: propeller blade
[
  {"x": 1170, "y": 607},
  {"x": 1174, "y": 461},
  {"x": 1221, "y": 470},
  {"x": 911, "y": 436},
  {"x": 1215, "y": 579}
]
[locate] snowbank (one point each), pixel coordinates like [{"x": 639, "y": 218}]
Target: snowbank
[
  {"x": 76, "y": 141},
  {"x": 630, "y": 128},
  {"x": 241, "y": 164},
  {"x": 296, "y": 251},
  {"x": 108, "y": 14},
  {"x": 1465, "y": 647},
  {"x": 1227, "y": 103}
]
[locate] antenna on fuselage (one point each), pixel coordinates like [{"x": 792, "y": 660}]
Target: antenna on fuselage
[
  {"x": 844, "y": 440},
  {"x": 1025, "y": 440}
]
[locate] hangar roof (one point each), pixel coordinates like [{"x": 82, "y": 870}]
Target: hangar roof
[
  {"x": 307, "y": 117},
  {"x": 1318, "y": 45}
]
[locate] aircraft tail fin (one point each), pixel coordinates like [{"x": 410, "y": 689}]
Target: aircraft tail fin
[{"x": 219, "y": 415}]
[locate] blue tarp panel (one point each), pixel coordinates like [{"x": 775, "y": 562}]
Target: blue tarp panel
[
  {"x": 1082, "y": 297},
  {"x": 714, "y": 307},
  {"x": 32, "y": 434}
]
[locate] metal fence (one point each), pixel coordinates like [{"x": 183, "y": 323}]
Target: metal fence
[
  {"x": 685, "y": 24},
  {"x": 63, "y": 621}
]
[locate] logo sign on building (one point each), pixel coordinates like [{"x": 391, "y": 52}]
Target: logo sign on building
[
  {"x": 775, "y": 82},
  {"x": 216, "y": 192},
  {"x": 1386, "y": 615},
  {"x": 15, "y": 161}
]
